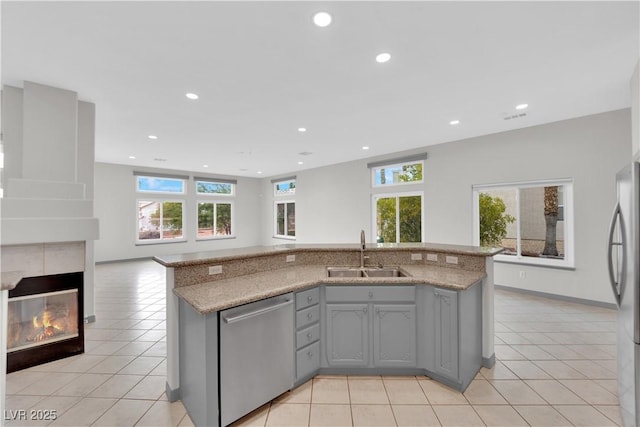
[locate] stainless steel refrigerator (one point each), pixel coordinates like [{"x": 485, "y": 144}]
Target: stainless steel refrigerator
[{"x": 624, "y": 274}]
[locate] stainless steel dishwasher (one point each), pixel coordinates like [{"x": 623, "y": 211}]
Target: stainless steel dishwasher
[{"x": 256, "y": 355}]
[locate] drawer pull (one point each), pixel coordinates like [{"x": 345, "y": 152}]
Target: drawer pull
[
  {"x": 309, "y": 298},
  {"x": 310, "y": 354},
  {"x": 309, "y": 335},
  {"x": 364, "y": 310},
  {"x": 309, "y": 315},
  {"x": 370, "y": 294}
]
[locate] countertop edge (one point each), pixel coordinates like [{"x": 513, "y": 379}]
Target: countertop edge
[
  {"x": 199, "y": 258},
  {"x": 474, "y": 278}
]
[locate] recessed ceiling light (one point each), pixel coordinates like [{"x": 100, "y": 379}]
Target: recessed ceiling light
[
  {"x": 454, "y": 122},
  {"x": 365, "y": 148},
  {"x": 259, "y": 172},
  {"x": 383, "y": 57},
  {"x": 322, "y": 19},
  {"x": 521, "y": 106},
  {"x": 302, "y": 129},
  {"x": 153, "y": 137},
  {"x": 192, "y": 95},
  {"x": 301, "y": 163},
  {"x": 205, "y": 166},
  {"x": 132, "y": 157}
]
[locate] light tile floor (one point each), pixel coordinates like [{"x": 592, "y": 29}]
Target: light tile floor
[{"x": 556, "y": 366}]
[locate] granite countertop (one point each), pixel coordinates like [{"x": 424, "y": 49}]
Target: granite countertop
[
  {"x": 222, "y": 294},
  {"x": 196, "y": 258}
]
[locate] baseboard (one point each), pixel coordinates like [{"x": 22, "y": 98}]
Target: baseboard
[
  {"x": 172, "y": 394},
  {"x": 489, "y": 362},
  {"x": 558, "y": 297}
]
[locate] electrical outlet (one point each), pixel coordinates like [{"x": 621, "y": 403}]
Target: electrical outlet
[
  {"x": 432, "y": 257},
  {"x": 215, "y": 269},
  {"x": 522, "y": 274},
  {"x": 416, "y": 257},
  {"x": 291, "y": 258},
  {"x": 451, "y": 259}
]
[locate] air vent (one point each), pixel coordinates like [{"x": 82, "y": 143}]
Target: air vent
[
  {"x": 157, "y": 159},
  {"x": 305, "y": 153},
  {"x": 515, "y": 116}
]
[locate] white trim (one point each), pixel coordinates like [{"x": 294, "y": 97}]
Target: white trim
[
  {"x": 275, "y": 218},
  {"x": 396, "y": 195},
  {"x": 211, "y": 181},
  {"x": 215, "y": 203},
  {"x": 139, "y": 241},
  {"x": 394, "y": 184},
  {"x": 569, "y": 222}
]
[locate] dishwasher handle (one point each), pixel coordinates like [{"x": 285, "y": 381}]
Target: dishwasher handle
[{"x": 263, "y": 310}]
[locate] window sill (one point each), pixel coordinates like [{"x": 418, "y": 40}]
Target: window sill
[
  {"x": 159, "y": 242},
  {"x": 284, "y": 237},
  {"x": 208, "y": 239},
  {"x": 535, "y": 262}
]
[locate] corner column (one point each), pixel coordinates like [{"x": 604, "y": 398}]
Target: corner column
[
  {"x": 488, "y": 327},
  {"x": 173, "y": 339}
]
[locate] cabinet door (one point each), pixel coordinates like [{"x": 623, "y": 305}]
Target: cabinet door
[
  {"x": 347, "y": 334},
  {"x": 394, "y": 335},
  {"x": 446, "y": 332}
]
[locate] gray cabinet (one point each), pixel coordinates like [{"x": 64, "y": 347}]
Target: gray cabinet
[
  {"x": 307, "y": 334},
  {"x": 394, "y": 335},
  {"x": 348, "y": 334},
  {"x": 446, "y": 332},
  {"x": 371, "y": 326},
  {"x": 453, "y": 335}
]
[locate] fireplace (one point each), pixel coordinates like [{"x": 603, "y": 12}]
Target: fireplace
[{"x": 45, "y": 320}]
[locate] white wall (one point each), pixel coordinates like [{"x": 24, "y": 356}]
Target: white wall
[
  {"x": 115, "y": 206},
  {"x": 333, "y": 203}
]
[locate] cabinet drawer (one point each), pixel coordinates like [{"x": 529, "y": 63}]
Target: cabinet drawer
[
  {"x": 307, "y": 360},
  {"x": 390, "y": 293},
  {"x": 307, "y": 298},
  {"x": 307, "y": 316},
  {"x": 307, "y": 336}
]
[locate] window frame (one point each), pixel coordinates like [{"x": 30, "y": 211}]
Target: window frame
[
  {"x": 392, "y": 165},
  {"x": 171, "y": 178},
  {"x": 397, "y": 195},
  {"x": 160, "y": 240},
  {"x": 568, "y": 219},
  {"x": 213, "y": 181},
  {"x": 290, "y": 193},
  {"x": 285, "y": 202},
  {"x": 216, "y": 202}
]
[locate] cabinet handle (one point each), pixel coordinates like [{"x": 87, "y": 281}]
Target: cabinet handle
[
  {"x": 364, "y": 310},
  {"x": 309, "y": 335},
  {"x": 310, "y": 354},
  {"x": 310, "y": 316},
  {"x": 370, "y": 294},
  {"x": 377, "y": 309}
]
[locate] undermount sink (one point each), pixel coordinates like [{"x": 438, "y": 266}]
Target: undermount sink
[{"x": 365, "y": 272}]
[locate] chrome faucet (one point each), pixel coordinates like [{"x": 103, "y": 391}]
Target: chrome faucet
[{"x": 362, "y": 248}]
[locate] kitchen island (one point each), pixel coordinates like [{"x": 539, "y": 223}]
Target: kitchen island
[{"x": 435, "y": 319}]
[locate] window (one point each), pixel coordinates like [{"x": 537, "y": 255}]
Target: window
[
  {"x": 160, "y": 220},
  {"x": 159, "y": 209},
  {"x": 398, "y": 217},
  {"x": 215, "y": 220},
  {"x": 284, "y": 209},
  {"x": 397, "y": 174},
  {"x": 210, "y": 187},
  {"x": 532, "y": 221},
  {"x": 285, "y": 219},
  {"x": 284, "y": 188},
  {"x": 151, "y": 184}
]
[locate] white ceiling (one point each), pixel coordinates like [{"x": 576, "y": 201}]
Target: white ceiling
[{"x": 262, "y": 70}]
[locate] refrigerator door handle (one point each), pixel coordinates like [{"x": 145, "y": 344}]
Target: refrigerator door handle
[{"x": 616, "y": 280}]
